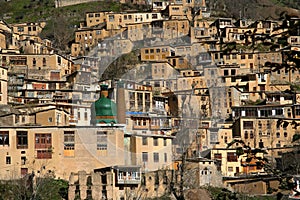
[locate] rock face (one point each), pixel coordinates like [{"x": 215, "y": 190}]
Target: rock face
[
  {"x": 252, "y": 9},
  {"x": 197, "y": 194}
]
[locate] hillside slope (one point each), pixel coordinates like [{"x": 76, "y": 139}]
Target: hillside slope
[{"x": 254, "y": 9}]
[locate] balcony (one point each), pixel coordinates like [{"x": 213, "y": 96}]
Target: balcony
[
  {"x": 128, "y": 175},
  {"x": 166, "y": 127},
  {"x": 73, "y": 120},
  {"x": 140, "y": 127},
  {"x": 129, "y": 180}
]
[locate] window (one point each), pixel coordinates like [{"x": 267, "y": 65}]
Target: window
[
  {"x": 266, "y": 112},
  {"x": 230, "y": 169},
  {"x": 156, "y": 157},
  {"x": 22, "y": 140},
  {"x": 243, "y": 56},
  {"x": 43, "y": 140},
  {"x": 225, "y": 139},
  {"x": 166, "y": 157},
  {"x": 248, "y": 124},
  {"x": 101, "y": 140},
  {"x": 226, "y": 72},
  {"x": 111, "y": 18},
  {"x": 4, "y": 138},
  {"x": 259, "y": 124},
  {"x": 17, "y": 119},
  {"x": 218, "y": 156},
  {"x": 250, "y": 56},
  {"x": 24, "y": 171},
  {"x": 8, "y": 160},
  {"x": 59, "y": 60},
  {"x": 69, "y": 140},
  {"x": 44, "y": 62},
  {"x": 279, "y": 111},
  {"x": 246, "y": 135},
  {"x": 85, "y": 116},
  {"x": 231, "y": 157},
  {"x": 44, "y": 154},
  {"x": 278, "y": 145},
  {"x": 155, "y": 141},
  {"x": 20, "y": 29},
  {"x": 285, "y": 134},
  {"x": 145, "y": 156},
  {"x": 165, "y": 142},
  {"x": 251, "y": 65},
  {"x": 232, "y": 72},
  {"x": 34, "y": 62},
  {"x": 278, "y": 135},
  {"x": 78, "y": 115},
  {"x": 297, "y": 111},
  {"x": 251, "y": 135},
  {"x": 23, "y": 160},
  {"x": 145, "y": 141}
]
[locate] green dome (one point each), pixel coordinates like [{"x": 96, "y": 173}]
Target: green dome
[{"x": 104, "y": 107}]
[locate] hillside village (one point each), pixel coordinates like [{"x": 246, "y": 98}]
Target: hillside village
[{"x": 153, "y": 103}]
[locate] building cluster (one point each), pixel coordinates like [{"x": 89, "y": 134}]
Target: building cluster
[{"x": 207, "y": 96}]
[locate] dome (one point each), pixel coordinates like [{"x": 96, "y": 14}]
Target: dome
[{"x": 106, "y": 110}]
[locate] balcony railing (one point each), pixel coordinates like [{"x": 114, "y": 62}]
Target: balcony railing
[{"x": 129, "y": 181}]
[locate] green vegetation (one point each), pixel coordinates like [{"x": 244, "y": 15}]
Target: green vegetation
[
  {"x": 289, "y": 3},
  {"x": 43, "y": 10},
  {"x": 121, "y": 65},
  {"x": 253, "y": 9},
  {"x": 26, "y": 10},
  {"x": 61, "y": 22},
  {"x": 44, "y": 188}
]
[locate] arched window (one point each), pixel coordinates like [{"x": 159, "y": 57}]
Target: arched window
[
  {"x": 278, "y": 135},
  {"x": 251, "y": 135},
  {"x": 33, "y": 62},
  {"x": 278, "y": 144},
  {"x": 44, "y": 62},
  {"x": 246, "y": 135},
  {"x": 259, "y": 125}
]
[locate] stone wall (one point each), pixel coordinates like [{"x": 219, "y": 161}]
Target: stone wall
[
  {"x": 62, "y": 3},
  {"x": 97, "y": 185}
]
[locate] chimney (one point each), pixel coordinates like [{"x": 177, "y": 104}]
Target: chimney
[
  {"x": 104, "y": 91},
  {"x": 121, "y": 107}
]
